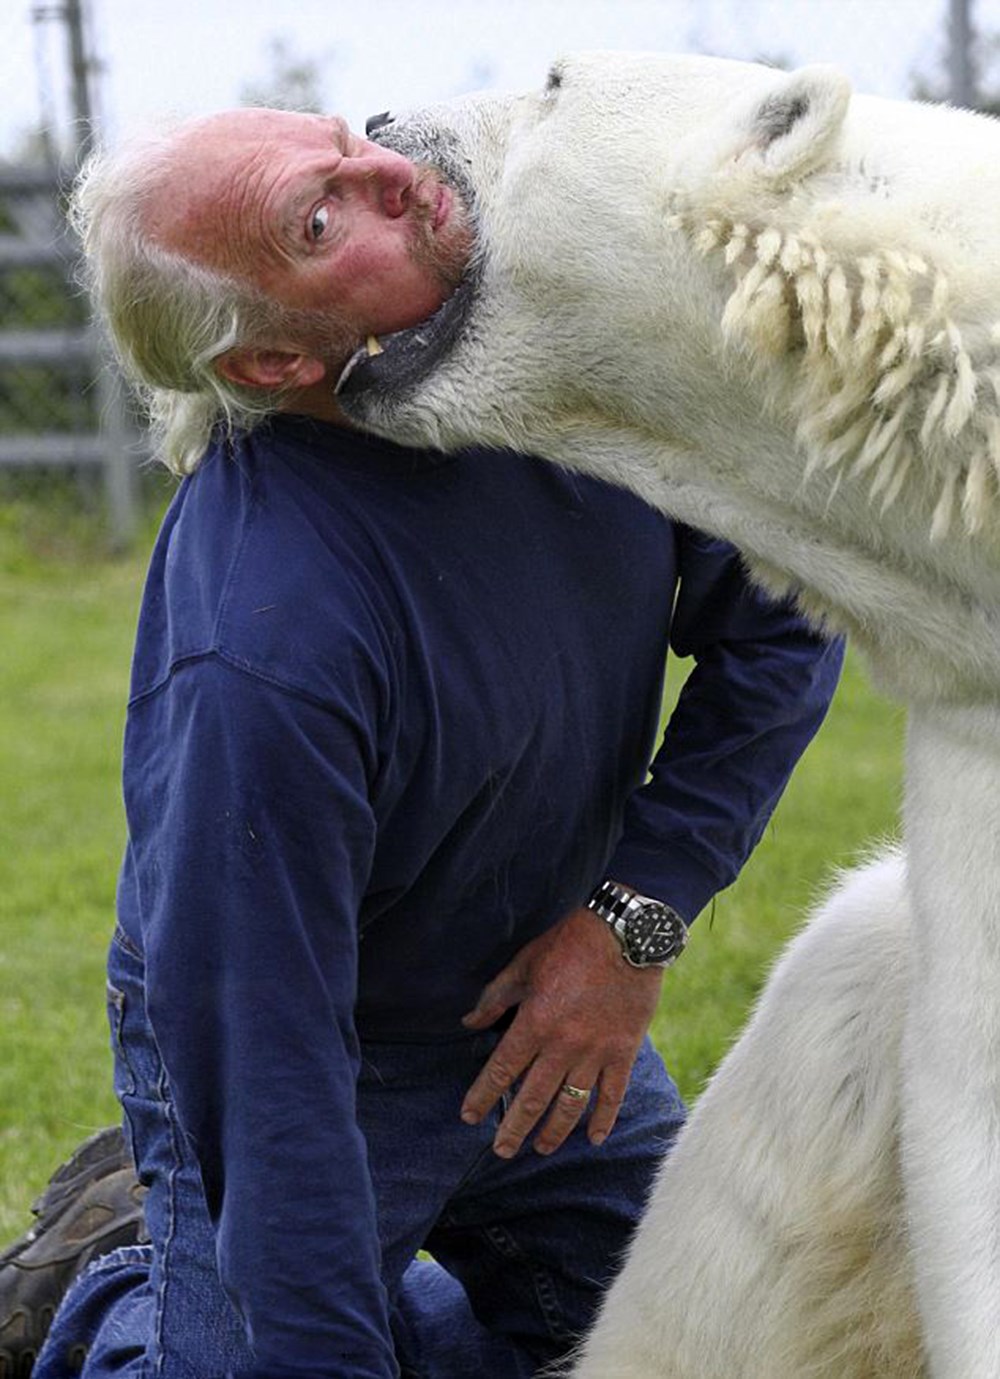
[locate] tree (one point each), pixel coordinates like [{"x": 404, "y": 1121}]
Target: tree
[
  {"x": 293, "y": 82},
  {"x": 966, "y": 58}
]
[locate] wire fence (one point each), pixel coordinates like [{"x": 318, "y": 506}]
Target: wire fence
[
  {"x": 44, "y": 320},
  {"x": 59, "y": 406}
]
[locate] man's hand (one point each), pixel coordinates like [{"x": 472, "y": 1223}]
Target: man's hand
[{"x": 583, "y": 1013}]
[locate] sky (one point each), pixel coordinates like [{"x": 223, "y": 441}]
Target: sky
[{"x": 186, "y": 57}]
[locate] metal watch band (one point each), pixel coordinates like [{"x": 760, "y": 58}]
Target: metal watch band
[{"x": 651, "y": 934}]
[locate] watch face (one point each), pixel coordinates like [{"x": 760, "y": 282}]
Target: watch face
[{"x": 651, "y": 935}]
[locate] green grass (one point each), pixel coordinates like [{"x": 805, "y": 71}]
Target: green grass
[
  {"x": 843, "y": 798},
  {"x": 67, "y": 614},
  {"x": 66, "y": 620}
]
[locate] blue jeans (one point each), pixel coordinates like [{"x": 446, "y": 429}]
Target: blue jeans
[{"x": 522, "y": 1249}]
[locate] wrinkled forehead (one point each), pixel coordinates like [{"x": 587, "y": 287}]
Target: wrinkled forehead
[
  {"x": 218, "y": 161},
  {"x": 257, "y": 122},
  {"x": 221, "y": 144}
]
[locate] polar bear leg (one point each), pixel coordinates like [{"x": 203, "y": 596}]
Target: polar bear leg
[
  {"x": 773, "y": 1244},
  {"x": 951, "y": 1056}
]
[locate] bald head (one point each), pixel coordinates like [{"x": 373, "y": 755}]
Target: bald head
[
  {"x": 312, "y": 216},
  {"x": 213, "y": 170},
  {"x": 239, "y": 260}
]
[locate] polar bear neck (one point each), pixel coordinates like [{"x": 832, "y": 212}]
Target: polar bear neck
[{"x": 892, "y": 386}]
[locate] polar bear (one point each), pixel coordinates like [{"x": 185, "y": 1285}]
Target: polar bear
[
  {"x": 775, "y": 1244},
  {"x": 772, "y": 309}
]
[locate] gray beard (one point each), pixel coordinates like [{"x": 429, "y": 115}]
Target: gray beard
[{"x": 446, "y": 256}]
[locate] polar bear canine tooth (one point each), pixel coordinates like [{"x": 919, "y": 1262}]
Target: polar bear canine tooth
[{"x": 372, "y": 345}]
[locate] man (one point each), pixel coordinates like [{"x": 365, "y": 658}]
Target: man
[{"x": 371, "y": 987}]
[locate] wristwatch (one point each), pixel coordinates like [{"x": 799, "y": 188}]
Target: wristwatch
[{"x": 651, "y": 934}]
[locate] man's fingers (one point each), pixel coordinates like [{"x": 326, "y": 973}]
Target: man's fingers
[
  {"x": 572, "y": 1101},
  {"x": 501, "y": 1070},
  {"x": 503, "y": 991},
  {"x": 607, "y": 1103},
  {"x": 544, "y": 1089},
  {"x": 581, "y": 1093},
  {"x": 581, "y": 1016},
  {"x": 484, "y": 1013}
]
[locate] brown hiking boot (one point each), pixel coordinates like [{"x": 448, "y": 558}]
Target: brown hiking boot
[{"x": 93, "y": 1204}]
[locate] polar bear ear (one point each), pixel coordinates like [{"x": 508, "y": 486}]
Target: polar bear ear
[{"x": 793, "y": 128}]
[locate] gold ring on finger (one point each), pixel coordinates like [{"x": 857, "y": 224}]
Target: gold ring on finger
[{"x": 575, "y": 1093}]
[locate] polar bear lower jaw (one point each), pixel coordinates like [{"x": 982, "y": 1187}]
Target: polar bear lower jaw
[{"x": 393, "y": 364}]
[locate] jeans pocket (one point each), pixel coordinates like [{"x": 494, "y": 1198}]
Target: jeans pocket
[
  {"x": 139, "y": 1068},
  {"x": 124, "y": 1080}
]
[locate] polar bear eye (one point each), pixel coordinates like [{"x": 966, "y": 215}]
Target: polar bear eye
[{"x": 554, "y": 80}]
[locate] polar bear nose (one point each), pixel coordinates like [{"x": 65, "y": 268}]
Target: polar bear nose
[{"x": 375, "y": 122}]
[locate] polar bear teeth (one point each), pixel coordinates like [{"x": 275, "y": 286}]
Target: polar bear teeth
[{"x": 373, "y": 346}]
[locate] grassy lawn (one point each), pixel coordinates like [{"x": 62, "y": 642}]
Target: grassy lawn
[
  {"x": 843, "y": 798},
  {"x": 66, "y": 621}
]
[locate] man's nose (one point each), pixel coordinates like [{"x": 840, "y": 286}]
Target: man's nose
[{"x": 383, "y": 174}]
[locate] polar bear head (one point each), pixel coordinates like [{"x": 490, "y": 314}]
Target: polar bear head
[
  {"x": 715, "y": 257},
  {"x": 766, "y": 305},
  {"x": 575, "y": 190}
]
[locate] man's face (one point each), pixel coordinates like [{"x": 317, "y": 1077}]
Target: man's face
[{"x": 315, "y": 217}]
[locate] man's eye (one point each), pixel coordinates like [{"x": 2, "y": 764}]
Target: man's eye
[{"x": 318, "y": 222}]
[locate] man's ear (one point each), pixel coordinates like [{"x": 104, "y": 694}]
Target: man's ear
[
  {"x": 791, "y": 130},
  {"x": 270, "y": 370}
]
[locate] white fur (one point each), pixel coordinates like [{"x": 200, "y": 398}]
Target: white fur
[
  {"x": 773, "y": 310},
  {"x": 775, "y": 1244}
]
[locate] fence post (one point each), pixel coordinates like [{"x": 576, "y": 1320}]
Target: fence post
[
  {"x": 961, "y": 72},
  {"x": 115, "y": 426},
  {"x": 119, "y": 437}
]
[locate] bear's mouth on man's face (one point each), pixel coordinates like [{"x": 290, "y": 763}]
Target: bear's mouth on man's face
[{"x": 395, "y": 363}]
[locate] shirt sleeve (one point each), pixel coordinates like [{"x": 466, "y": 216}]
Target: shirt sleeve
[
  {"x": 759, "y": 689},
  {"x": 251, "y": 838}
]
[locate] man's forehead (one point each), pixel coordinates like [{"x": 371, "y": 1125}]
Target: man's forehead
[
  {"x": 252, "y": 123},
  {"x": 212, "y": 156}
]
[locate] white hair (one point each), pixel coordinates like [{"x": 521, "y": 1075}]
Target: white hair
[{"x": 170, "y": 318}]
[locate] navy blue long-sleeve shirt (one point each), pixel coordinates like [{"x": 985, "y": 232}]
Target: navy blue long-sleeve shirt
[{"x": 391, "y": 717}]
